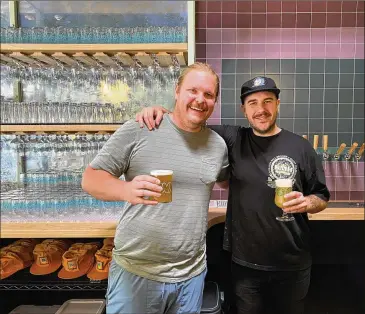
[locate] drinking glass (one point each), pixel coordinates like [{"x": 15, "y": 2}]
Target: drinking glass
[{"x": 282, "y": 187}]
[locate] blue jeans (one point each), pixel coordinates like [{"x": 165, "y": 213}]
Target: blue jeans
[{"x": 132, "y": 294}]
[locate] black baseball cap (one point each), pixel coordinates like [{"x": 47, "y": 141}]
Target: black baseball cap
[{"x": 258, "y": 84}]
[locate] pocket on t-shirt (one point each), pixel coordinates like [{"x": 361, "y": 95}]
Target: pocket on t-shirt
[{"x": 208, "y": 170}]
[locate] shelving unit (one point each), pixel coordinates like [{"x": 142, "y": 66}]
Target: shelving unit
[
  {"x": 68, "y": 128},
  {"x": 90, "y": 54},
  {"x": 24, "y": 280}
]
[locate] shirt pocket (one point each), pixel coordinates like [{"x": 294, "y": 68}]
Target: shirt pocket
[{"x": 208, "y": 170}]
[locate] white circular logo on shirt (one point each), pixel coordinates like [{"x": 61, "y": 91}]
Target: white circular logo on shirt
[{"x": 281, "y": 167}]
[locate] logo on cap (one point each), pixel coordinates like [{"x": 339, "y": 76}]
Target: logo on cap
[
  {"x": 43, "y": 260},
  {"x": 259, "y": 81}
]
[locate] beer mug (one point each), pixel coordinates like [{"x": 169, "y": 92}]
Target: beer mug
[
  {"x": 165, "y": 177},
  {"x": 282, "y": 187}
]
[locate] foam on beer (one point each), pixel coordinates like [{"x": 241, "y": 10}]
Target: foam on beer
[
  {"x": 283, "y": 183},
  {"x": 161, "y": 172}
]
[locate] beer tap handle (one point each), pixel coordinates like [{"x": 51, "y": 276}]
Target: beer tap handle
[
  {"x": 360, "y": 151},
  {"x": 325, "y": 147},
  {"x": 315, "y": 141},
  {"x": 340, "y": 150},
  {"x": 351, "y": 150},
  {"x": 325, "y": 142}
]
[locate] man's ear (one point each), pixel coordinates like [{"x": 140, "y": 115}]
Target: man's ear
[
  {"x": 243, "y": 109},
  {"x": 177, "y": 91}
]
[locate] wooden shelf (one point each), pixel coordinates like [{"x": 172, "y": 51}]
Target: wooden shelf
[
  {"x": 107, "y": 229},
  {"x": 59, "y": 128},
  {"x": 90, "y": 54}
]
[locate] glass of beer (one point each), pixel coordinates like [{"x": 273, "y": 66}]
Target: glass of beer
[
  {"x": 165, "y": 177},
  {"x": 282, "y": 187}
]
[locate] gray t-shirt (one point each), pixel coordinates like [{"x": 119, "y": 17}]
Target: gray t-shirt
[{"x": 165, "y": 242}]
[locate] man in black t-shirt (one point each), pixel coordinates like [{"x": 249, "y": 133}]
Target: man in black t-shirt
[{"x": 271, "y": 259}]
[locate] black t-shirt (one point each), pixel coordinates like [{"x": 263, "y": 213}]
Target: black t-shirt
[{"x": 252, "y": 233}]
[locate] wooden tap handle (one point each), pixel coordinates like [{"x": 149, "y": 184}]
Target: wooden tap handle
[
  {"x": 315, "y": 141},
  {"x": 341, "y": 148},
  {"x": 325, "y": 142},
  {"x": 361, "y": 150},
  {"x": 352, "y": 148},
  {"x": 305, "y": 136}
]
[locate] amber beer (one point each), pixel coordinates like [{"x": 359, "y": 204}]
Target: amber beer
[
  {"x": 282, "y": 187},
  {"x": 165, "y": 177}
]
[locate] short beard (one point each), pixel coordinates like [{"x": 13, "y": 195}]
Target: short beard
[{"x": 265, "y": 131}]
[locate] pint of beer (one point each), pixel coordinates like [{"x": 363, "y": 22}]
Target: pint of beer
[
  {"x": 165, "y": 177},
  {"x": 283, "y": 186}
]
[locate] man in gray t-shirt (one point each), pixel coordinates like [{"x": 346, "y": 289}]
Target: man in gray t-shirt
[{"x": 159, "y": 257}]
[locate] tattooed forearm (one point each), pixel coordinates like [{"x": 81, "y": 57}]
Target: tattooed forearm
[{"x": 315, "y": 204}]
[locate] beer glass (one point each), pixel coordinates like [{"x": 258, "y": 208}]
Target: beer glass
[
  {"x": 282, "y": 187},
  {"x": 165, "y": 177}
]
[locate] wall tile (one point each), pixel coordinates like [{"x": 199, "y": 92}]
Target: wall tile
[
  {"x": 333, "y": 20},
  {"x": 319, "y": 6},
  {"x": 214, "y": 36},
  {"x": 273, "y": 36},
  {"x": 244, "y": 36},
  {"x": 258, "y": 20},
  {"x": 288, "y": 20},
  {"x": 244, "y": 20},
  {"x": 200, "y": 35},
  {"x": 357, "y": 195},
  {"x": 229, "y": 51},
  {"x": 349, "y": 19},
  {"x": 214, "y": 6},
  {"x": 273, "y": 6},
  {"x": 244, "y": 6},
  {"x": 289, "y": 6},
  {"x": 273, "y": 20},
  {"x": 200, "y": 20},
  {"x": 229, "y": 20},
  {"x": 334, "y": 6},
  {"x": 259, "y": 6},
  {"x": 229, "y": 6},
  {"x": 229, "y": 36},
  {"x": 304, "y": 20},
  {"x": 318, "y": 20},
  {"x": 349, "y": 6},
  {"x": 200, "y": 6},
  {"x": 214, "y": 20},
  {"x": 243, "y": 50},
  {"x": 214, "y": 50},
  {"x": 316, "y": 80}
]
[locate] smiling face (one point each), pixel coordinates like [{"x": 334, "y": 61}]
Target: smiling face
[
  {"x": 261, "y": 110},
  {"x": 195, "y": 98}
]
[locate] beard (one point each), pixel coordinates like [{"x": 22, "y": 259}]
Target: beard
[{"x": 265, "y": 131}]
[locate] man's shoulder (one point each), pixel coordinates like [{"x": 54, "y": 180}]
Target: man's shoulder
[{"x": 297, "y": 140}]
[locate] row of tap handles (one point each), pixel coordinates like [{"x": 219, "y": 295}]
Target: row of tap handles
[{"x": 340, "y": 150}]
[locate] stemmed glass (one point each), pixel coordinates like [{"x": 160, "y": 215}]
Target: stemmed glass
[{"x": 282, "y": 187}]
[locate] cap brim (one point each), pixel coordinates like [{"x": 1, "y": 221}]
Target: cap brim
[
  {"x": 44, "y": 270},
  {"x": 64, "y": 274},
  {"x": 95, "y": 274},
  {"x": 276, "y": 91}
]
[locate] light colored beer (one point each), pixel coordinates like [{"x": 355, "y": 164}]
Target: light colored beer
[
  {"x": 165, "y": 177},
  {"x": 282, "y": 187}
]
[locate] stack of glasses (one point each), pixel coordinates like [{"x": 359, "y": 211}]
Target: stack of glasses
[
  {"x": 49, "y": 182},
  {"x": 95, "y": 35}
]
